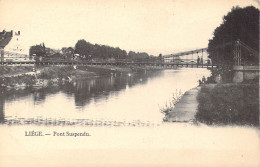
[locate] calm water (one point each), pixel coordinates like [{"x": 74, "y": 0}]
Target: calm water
[{"x": 123, "y": 98}]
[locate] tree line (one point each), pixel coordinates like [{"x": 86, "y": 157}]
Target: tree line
[
  {"x": 87, "y": 51},
  {"x": 239, "y": 24},
  {"x": 95, "y": 51}
]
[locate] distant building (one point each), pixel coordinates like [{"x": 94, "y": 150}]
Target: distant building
[
  {"x": 11, "y": 48},
  {"x": 5, "y": 38},
  {"x": 68, "y": 53}
]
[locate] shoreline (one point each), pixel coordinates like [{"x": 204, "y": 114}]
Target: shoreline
[
  {"x": 217, "y": 104},
  {"x": 20, "y": 77},
  {"x": 186, "y": 108}
]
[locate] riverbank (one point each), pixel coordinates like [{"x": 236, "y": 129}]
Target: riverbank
[
  {"x": 22, "y": 77},
  {"x": 19, "y": 77},
  {"x": 185, "y": 109},
  {"x": 228, "y": 104},
  {"x": 14, "y": 70},
  {"x": 218, "y": 104}
]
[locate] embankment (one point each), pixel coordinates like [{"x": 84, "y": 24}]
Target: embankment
[
  {"x": 21, "y": 76},
  {"x": 14, "y": 70},
  {"x": 185, "y": 109}
]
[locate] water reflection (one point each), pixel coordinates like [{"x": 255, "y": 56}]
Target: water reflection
[
  {"x": 101, "y": 88},
  {"x": 117, "y": 98},
  {"x": 82, "y": 91}
]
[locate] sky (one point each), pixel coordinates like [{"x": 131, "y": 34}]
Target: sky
[{"x": 152, "y": 26}]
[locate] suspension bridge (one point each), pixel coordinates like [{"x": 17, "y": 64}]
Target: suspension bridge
[
  {"x": 238, "y": 47},
  {"x": 188, "y": 59}
]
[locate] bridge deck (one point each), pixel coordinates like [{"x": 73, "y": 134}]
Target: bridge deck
[{"x": 148, "y": 64}]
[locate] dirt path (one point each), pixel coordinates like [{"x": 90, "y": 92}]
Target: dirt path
[{"x": 186, "y": 108}]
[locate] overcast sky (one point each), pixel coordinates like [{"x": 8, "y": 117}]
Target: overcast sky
[{"x": 163, "y": 26}]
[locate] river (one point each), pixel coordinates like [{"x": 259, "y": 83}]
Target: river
[
  {"x": 121, "y": 98},
  {"x": 142, "y": 138}
]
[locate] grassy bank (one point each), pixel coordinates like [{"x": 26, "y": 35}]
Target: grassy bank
[
  {"x": 14, "y": 70},
  {"x": 228, "y": 104},
  {"x": 20, "y": 76},
  {"x": 64, "y": 72},
  {"x": 52, "y": 74},
  {"x": 106, "y": 70}
]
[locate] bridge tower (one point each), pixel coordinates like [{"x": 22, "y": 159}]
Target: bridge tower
[{"x": 237, "y": 53}]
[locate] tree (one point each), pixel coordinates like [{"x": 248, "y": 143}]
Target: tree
[
  {"x": 138, "y": 56},
  {"x": 63, "y": 49},
  {"x": 44, "y": 48},
  {"x": 160, "y": 56},
  {"x": 242, "y": 24},
  {"x": 86, "y": 49},
  {"x": 38, "y": 50},
  {"x": 83, "y": 48}
]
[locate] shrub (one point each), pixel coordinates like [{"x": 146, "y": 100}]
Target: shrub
[
  {"x": 169, "y": 107},
  {"x": 229, "y": 104}
]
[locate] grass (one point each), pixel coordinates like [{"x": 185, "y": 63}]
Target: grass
[
  {"x": 229, "y": 104},
  {"x": 48, "y": 73},
  {"x": 56, "y": 72},
  {"x": 13, "y": 70},
  {"x": 169, "y": 106}
]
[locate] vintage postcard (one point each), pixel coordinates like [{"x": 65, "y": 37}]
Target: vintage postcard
[{"x": 115, "y": 83}]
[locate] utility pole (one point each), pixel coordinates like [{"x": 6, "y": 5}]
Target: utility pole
[{"x": 202, "y": 57}]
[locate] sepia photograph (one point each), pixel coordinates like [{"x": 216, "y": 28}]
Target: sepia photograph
[{"x": 122, "y": 83}]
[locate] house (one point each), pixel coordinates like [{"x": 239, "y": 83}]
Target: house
[
  {"x": 69, "y": 53},
  {"x": 5, "y": 38},
  {"x": 11, "y": 47}
]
